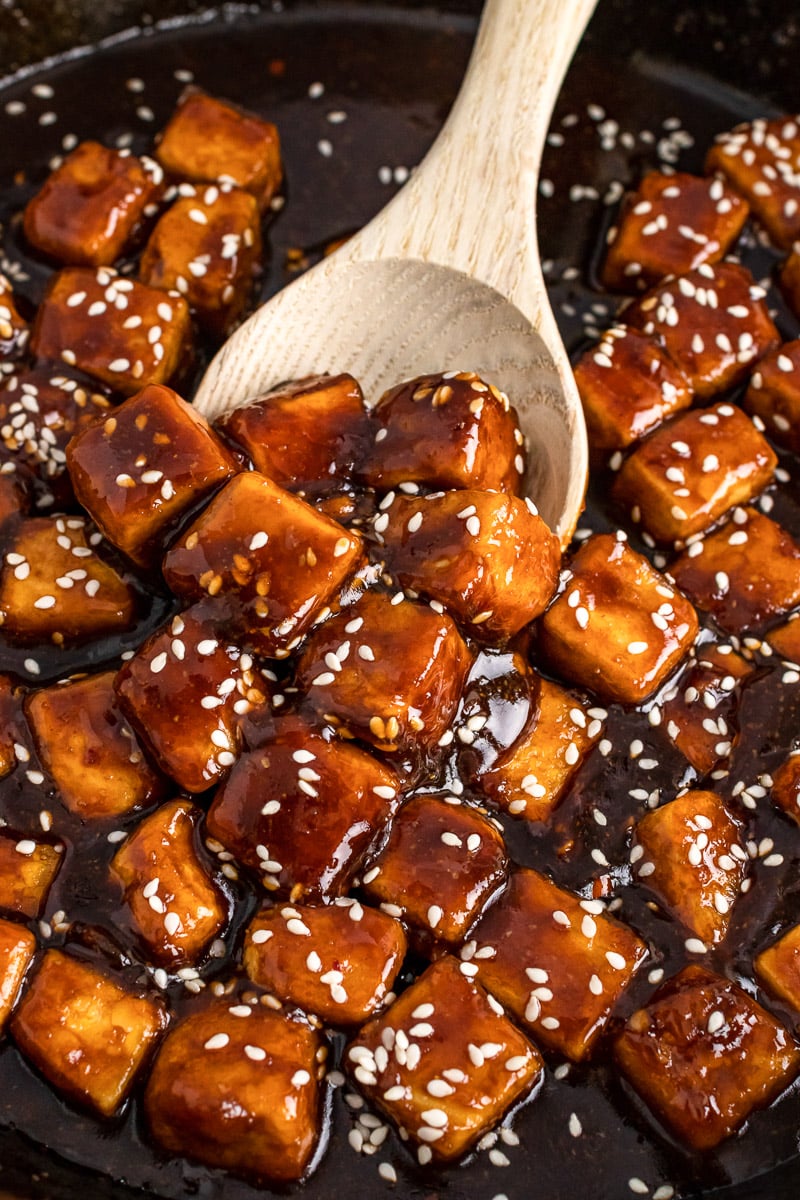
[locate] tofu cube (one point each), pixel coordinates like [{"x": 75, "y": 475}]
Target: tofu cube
[
  {"x": 88, "y": 1036},
  {"x": 304, "y": 812},
  {"x": 669, "y": 226},
  {"x": 443, "y": 1063},
  {"x": 238, "y": 1092},
  {"x": 689, "y": 852},
  {"x": 90, "y": 750},
  {"x": 628, "y": 386},
  {"x": 442, "y": 864},
  {"x": 207, "y": 247},
  {"x": 703, "y": 1055},
  {"x": 530, "y": 778},
  {"x": 683, "y": 478},
  {"x": 338, "y": 961},
  {"x": 713, "y": 322},
  {"x": 54, "y": 586},
  {"x": 700, "y": 713},
  {"x": 306, "y": 435},
  {"x": 487, "y": 556},
  {"x": 557, "y": 962},
  {"x": 785, "y": 640},
  {"x": 773, "y": 394},
  {"x": 174, "y": 903},
  {"x": 446, "y": 431},
  {"x": 211, "y": 141},
  {"x": 117, "y": 330},
  {"x": 618, "y": 627},
  {"x": 761, "y": 161},
  {"x": 785, "y": 790},
  {"x": 186, "y": 692},
  {"x": 15, "y": 490},
  {"x": 744, "y": 574},
  {"x": 401, "y": 671},
  {"x": 92, "y": 205},
  {"x": 14, "y": 331},
  {"x": 27, "y": 871},
  {"x": 17, "y": 948},
  {"x": 271, "y": 558},
  {"x": 778, "y": 967},
  {"x": 142, "y": 468}
]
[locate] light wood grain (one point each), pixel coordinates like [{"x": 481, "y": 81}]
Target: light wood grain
[{"x": 448, "y": 276}]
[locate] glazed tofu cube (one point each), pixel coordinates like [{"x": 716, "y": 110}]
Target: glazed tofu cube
[
  {"x": 703, "y": 1055},
  {"x": 88, "y": 1036},
  {"x": 175, "y": 905},
  {"x": 14, "y": 331},
  {"x": 761, "y": 160},
  {"x": 117, "y": 330},
  {"x": 557, "y": 962},
  {"x": 304, "y": 435},
  {"x": 142, "y": 468},
  {"x": 304, "y": 812},
  {"x": 628, "y": 385},
  {"x": 446, "y": 431},
  {"x": 207, "y": 247},
  {"x": 337, "y": 960},
  {"x": 669, "y": 226},
  {"x": 778, "y": 967},
  {"x": 773, "y": 394},
  {"x": 27, "y": 871},
  {"x": 689, "y": 852},
  {"x": 713, "y": 322},
  {"x": 210, "y": 141},
  {"x": 618, "y": 627},
  {"x": 785, "y": 640},
  {"x": 17, "y": 948},
  {"x": 785, "y": 790},
  {"x": 531, "y": 776},
  {"x": 186, "y": 692},
  {"x": 8, "y": 720},
  {"x": 487, "y": 556},
  {"x": 401, "y": 671},
  {"x": 744, "y": 574},
  {"x": 442, "y": 864},
  {"x": 238, "y": 1092},
  {"x": 15, "y": 490},
  {"x": 686, "y": 475},
  {"x": 700, "y": 713},
  {"x": 54, "y": 586},
  {"x": 443, "y": 1063},
  {"x": 92, "y": 205},
  {"x": 274, "y": 560},
  {"x": 90, "y": 750}
]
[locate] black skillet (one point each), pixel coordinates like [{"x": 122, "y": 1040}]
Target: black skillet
[{"x": 394, "y": 70}]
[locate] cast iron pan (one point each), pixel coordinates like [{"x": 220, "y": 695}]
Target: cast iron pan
[{"x": 667, "y": 69}]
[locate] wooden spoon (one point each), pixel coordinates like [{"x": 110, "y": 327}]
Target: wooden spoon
[{"x": 448, "y": 276}]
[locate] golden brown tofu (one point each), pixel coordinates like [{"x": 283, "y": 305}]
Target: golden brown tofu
[
  {"x": 785, "y": 790},
  {"x": 186, "y": 691},
  {"x": 744, "y": 574},
  {"x": 785, "y": 640},
  {"x": 117, "y": 330},
  {"x": 773, "y": 395},
  {"x": 271, "y": 558},
  {"x": 487, "y": 556},
  {"x": 306, "y": 435},
  {"x": 90, "y": 750},
  {"x": 210, "y": 141},
  {"x": 139, "y": 471},
  {"x": 54, "y": 587},
  {"x": 87, "y": 1035},
  {"x": 713, "y": 321},
  {"x": 207, "y": 248},
  {"x": 628, "y": 385},
  {"x": 442, "y": 864},
  {"x": 557, "y": 962},
  {"x": 14, "y": 331},
  {"x": 703, "y": 1055},
  {"x": 17, "y": 948},
  {"x": 304, "y": 812},
  {"x": 618, "y": 627},
  {"x": 402, "y": 669},
  {"x": 686, "y": 475},
  {"x": 689, "y": 852},
  {"x": 443, "y": 1063},
  {"x": 761, "y": 161},
  {"x": 699, "y": 714},
  {"x": 238, "y": 1092},
  {"x": 91, "y": 206},
  {"x": 446, "y": 431},
  {"x": 27, "y": 871},
  {"x": 669, "y": 226},
  {"x": 175, "y": 905},
  {"x": 778, "y": 967},
  {"x": 337, "y": 960}
]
